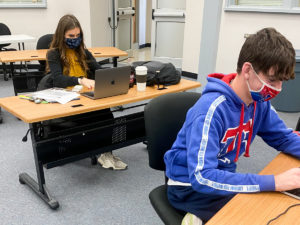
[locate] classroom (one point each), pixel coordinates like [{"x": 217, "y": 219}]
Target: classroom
[{"x": 111, "y": 158}]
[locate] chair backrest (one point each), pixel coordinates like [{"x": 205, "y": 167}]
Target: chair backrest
[
  {"x": 4, "y": 30},
  {"x": 298, "y": 125},
  {"x": 44, "y": 43},
  {"x": 164, "y": 117}
]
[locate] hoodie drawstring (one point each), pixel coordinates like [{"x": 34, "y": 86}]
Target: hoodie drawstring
[
  {"x": 250, "y": 134},
  {"x": 240, "y": 133}
]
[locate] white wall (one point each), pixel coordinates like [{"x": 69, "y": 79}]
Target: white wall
[
  {"x": 192, "y": 35},
  {"x": 37, "y": 22},
  {"x": 235, "y": 24},
  {"x": 142, "y": 21}
]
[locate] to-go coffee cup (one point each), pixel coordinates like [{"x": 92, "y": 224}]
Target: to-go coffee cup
[{"x": 141, "y": 77}]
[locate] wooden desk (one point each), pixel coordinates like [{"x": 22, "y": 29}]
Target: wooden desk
[
  {"x": 16, "y": 38},
  {"x": 25, "y": 55},
  {"x": 90, "y": 140},
  {"x": 31, "y": 55},
  {"x": 261, "y": 207},
  {"x": 30, "y": 112}
]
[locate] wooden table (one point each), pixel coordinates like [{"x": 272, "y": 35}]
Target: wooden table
[
  {"x": 32, "y": 55},
  {"x": 47, "y": 154},
  {"x": 24, "y": 55},
  {"x": 259, "y": 208}
]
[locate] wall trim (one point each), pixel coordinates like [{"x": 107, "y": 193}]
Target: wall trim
[
  {"x": 145, "y": 45},
  {"x": 189, "y": 75}
]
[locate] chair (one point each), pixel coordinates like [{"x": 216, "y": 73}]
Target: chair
[
  {"x": 4, "y": 30},
  {"x": 164, "y": 117},
  {"x": 44, "y": 43},
  {"x": 29, "y": 82},
  {"x": 298, "y": 125}
]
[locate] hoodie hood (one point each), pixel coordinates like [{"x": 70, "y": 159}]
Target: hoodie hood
[
  {"x": 221, "y": 83},
  {"x": 218, "y": 82}
]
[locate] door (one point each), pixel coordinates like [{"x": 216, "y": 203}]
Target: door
[
  {"x": 125, "y": 13},
  {"x": 168, "y": 21}
]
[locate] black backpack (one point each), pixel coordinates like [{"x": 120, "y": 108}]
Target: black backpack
[{"x": 167, "y": 75}]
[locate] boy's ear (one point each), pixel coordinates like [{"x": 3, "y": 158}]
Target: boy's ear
[{"x": 246, "y": 70}]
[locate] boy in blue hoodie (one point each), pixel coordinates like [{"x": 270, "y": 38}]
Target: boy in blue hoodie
[{"x": 233, "y": 109}]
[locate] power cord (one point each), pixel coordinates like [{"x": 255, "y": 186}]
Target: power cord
[
  {"x": 275, "y": 218},
  {"x": 111, "y": 27}
]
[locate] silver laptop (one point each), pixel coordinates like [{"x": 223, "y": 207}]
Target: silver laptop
[{"x": 110, "y": 82}]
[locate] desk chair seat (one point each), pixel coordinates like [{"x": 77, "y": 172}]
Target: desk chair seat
[
  {"x": 164, "y": 117},
  {"x": 159, "y": 201}
]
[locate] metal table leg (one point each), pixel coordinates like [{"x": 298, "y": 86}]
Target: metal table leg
[
  {"x": 1, "y": 119},
  {"x": 115, "y": 61},
  {"x": 38, "y": 187},
  {"x": 4, "y": 72}
]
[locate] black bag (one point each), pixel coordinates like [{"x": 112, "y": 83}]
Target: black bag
[{"x": 167, "y": 75}]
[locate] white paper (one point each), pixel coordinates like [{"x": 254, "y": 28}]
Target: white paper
[{"x": 61, "y": 96}]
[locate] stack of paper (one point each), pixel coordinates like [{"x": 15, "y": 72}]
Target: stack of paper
[{"x": 55, "y": 95}]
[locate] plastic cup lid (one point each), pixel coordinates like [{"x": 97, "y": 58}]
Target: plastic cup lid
[{"x": 141, "y": 68}]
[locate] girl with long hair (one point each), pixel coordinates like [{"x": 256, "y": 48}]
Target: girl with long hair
[{"x": 69, "y": 63}]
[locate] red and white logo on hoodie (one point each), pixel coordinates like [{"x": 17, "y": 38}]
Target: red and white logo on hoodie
[{"x": 232, "y": 133}]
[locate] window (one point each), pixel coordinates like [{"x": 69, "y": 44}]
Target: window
[
  {"x": 23, "y": 3},
  {"x": 272, "y": 6},
  {"x": 259, "y": 3}
]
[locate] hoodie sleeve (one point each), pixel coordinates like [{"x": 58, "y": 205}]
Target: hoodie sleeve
[
  {"x": 204, "y": 135},
  {"x": 275, "y": 133}
]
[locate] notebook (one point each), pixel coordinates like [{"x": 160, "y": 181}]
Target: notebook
[{"x": 110, "y": 82}]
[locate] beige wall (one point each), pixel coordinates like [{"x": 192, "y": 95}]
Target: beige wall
[
  {"x": 148, "y": 21},
  {"x": 234, "y": 25},
  {"x": 37, "y": 22},
  {"x": 100, "y": 30},
  {"x": 192, "y": 35}
]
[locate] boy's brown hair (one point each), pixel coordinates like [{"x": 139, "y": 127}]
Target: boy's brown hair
[{"x": 269, "y": 49}]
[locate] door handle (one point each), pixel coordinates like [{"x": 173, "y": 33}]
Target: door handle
[{"x": 167, "y": 14}]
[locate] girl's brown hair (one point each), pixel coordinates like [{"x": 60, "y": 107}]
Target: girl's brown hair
[
  {"x": 68, "y": 22},
  {"x": 269, "y": 49}
]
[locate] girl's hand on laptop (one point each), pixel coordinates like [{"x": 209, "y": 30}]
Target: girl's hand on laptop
[{"x": 90, "y": 84}]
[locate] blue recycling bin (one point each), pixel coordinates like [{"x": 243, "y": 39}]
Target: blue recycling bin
[{"x": 288, "y": 100}]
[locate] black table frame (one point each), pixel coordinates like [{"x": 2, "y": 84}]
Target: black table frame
[{"x": 137, "y": 134}]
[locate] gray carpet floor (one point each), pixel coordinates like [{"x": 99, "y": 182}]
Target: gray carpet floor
[{"x": 89, "y": 194}]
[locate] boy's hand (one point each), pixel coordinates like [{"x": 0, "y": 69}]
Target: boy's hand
[{"x": 288, "y": 180}]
